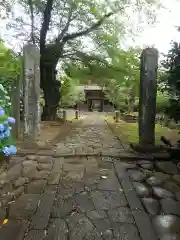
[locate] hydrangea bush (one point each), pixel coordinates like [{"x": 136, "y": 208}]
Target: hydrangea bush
[
  {"x": 7, "y": 148},
  {"x": 5, "y": 102}
]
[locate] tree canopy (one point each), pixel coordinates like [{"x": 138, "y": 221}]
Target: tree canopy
[
  {"x": 77, "y": 32},
  {"x": 171, "y": 80},
  {"x": 71, "y": 95},
  {"x": 118, "y": 74},
  {"x": 9, "y": 66}
]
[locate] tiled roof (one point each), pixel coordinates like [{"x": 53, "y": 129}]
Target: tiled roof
[{"x": 89, "y": 87}]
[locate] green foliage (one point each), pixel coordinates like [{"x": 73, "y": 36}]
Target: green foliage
[
  {"x": 67, "y": 19},
  {"x": 136, "y": 104},
  {"x": 119, "y": 75},
  {"x": 80, "y": 96},
  {"x": 172, "y": 65},
  {"x": 9, "y": 75},
  {"x": 123, "y": 66},
  {"x": 72, "y": 31},
  {"x": 9, "y": 67},
  {"x": 162, "y": 101},
  {"x": 172, "y": 80},
  {"x": 117, "y": 95},
  {"x": 4, "y": 99},
  {"x": 70, "y": 95},
  {"x": 128, "y": 132}
]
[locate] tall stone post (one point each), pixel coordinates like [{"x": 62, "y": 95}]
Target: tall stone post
[
  {"x": 102, "y": 105},
  {"x": 117, "y": 115},
  {"x": 147, "y": 99},
  {"x": 64, "y": 115},
  {"x": 77, "y": 114},
  {"x": 89, "y": 103},
  {"x": 31, "y": 92}
]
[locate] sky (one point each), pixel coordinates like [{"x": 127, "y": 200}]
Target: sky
[
  {"x": 159, "y": 35},
  {"x": 163, "y": 32}
]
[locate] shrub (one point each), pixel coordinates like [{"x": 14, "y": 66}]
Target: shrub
[
  {"x": 7, "y": 148},
  {"x": 136, "y": 105},
  {"x": 173, "y": 109},
  {"x": 4, "y": 99},
  {"x": 162, "y": 102},
  {"x": 172, "y": 124}
]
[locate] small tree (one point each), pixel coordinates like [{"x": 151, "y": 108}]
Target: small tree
[
  {"x": 162, "y": 101},
  {"x": 80, "y": 96},
  {"x": 67, "y": 98},
  {"x": 70, "y": 95},
  {"x": 9, "y": 67},
  {"x": 172, "y": 80}
]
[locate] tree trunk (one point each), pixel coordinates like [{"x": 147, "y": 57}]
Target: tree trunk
[{"x": 51, "y": 87}]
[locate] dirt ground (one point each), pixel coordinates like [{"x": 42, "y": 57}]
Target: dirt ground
[{"x": 51, "y": 132}]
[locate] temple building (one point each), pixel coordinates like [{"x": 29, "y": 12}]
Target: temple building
[{"x": 95, "y": 99}]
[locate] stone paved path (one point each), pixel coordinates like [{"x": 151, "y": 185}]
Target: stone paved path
[
  {"x": 90, "y": 140},
  {"x": 88, "y": 192}
]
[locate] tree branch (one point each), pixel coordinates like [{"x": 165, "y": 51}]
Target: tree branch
[
  {"x": 61, "y": 19},
  {"x": 73, "y": 58},
  {"x": 69, "y": 54},
  {"x": 45, "y": 24},
  {"x": 65, "y": 29},
  {"x": 88, "y": 58},
  {"x": 32, "y": 21},
  {"x": 88, "y": 30}
]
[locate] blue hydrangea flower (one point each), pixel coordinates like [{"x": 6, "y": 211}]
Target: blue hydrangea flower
[
  {"x": 1, "y": 136},
  {"x": 1, "y": 127},
  {"x": 2, "y": 112},
  {"x": 7, "y": 133},
  {"x": 6, "y": 151},
  {"x": 12, "y": 149},
  {"x": 11, "y": 120}
]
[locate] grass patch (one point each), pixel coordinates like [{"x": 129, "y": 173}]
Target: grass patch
[{"x": 128, "y": 132}]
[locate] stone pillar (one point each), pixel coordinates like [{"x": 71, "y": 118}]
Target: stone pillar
[
  {"x": 102, "y": 105},
  {"x": 117, "y": 115},
  {"x": 76, "y": 114},
  {"x": 31, "y": 92},
  {"x": 89, "y": 103},
  {"x": 147, "y": 99},
  {"x": 64, "y": 115}
]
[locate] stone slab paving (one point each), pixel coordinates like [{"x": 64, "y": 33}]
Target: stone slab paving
[
  {"x": 89, "y": 140},
  {"x": 103, "y": 197}
]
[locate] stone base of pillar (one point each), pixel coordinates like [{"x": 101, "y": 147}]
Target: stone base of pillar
[{"x": 146, "y": 148}]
